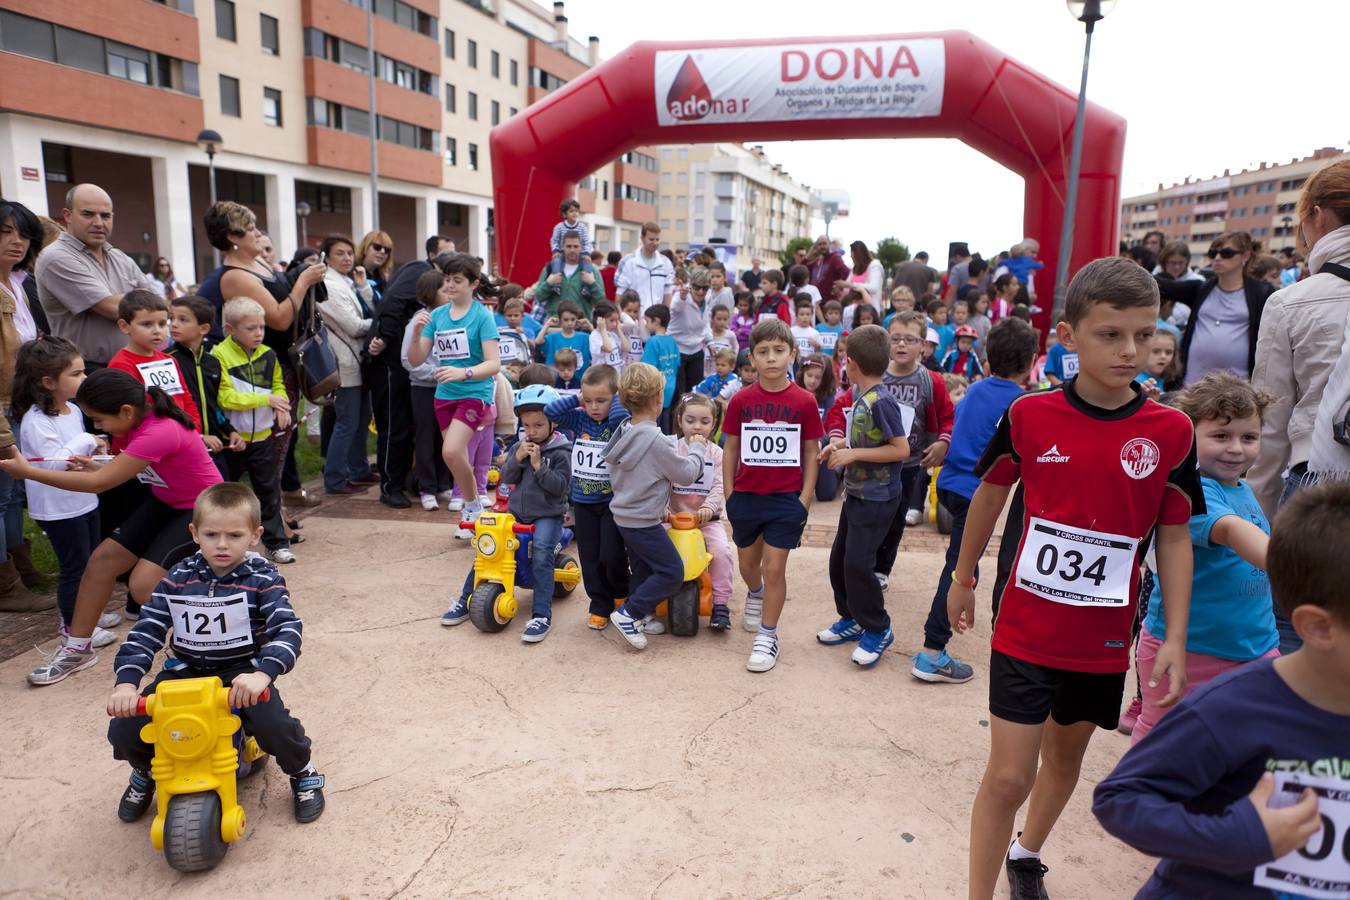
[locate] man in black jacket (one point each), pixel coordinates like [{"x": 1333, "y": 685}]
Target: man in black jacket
[{"x": 390, "y": 390}]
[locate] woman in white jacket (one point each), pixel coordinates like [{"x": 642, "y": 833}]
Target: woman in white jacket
[
  {"x": 1302, "y": 333},
  {"x": 347, "y": 313}
]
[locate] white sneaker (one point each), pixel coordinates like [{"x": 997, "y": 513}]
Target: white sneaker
[
  {"x": 629, "y": 628},
  {"x": 456, "y": 504},
  {"x": 652, "y": 625},
  {"x": 912, "y": 517},
  {"x": 282, "y": 555},
  {"x": 884, "y": 581},
  {"x": 754, "y": 609},
  {"x": 429, "y": 503},
  {"x": 110, "y": 620},
  {"x": 63, "y": 661},
  {"x": 763, "y": 653},
  {"x": 447, "y": 495},
  {"x": 469, "y": 514}
]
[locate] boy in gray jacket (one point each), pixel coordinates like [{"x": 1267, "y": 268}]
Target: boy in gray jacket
[
  {"x": 643, "y": 463},
  {"x": 539, "y": 469}
]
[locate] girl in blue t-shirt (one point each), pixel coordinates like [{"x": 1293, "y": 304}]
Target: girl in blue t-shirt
[
  {"x": 1231, "y": 620},
  {"x": 462, "y": 337}
]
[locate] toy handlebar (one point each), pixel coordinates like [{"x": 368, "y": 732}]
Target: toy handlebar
[
  {"x": 467, "y": 526},
  {"x": 518, "y": 528},
  {"x": 265, "y": 696}
]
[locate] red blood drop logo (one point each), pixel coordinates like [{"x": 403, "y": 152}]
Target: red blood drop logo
[{"x": 689, "y": 97}]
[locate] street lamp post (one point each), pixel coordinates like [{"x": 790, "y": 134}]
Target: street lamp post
[
  {"x": 209, "y": 141},
  {"x": 374, "y": 120},
  {"x": 302, "y": 212},
  {"x": 1287, "y": 222},
  {"x": 1089, "y": 12}
]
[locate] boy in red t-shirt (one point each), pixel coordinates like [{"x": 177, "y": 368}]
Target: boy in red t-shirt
[
  {"x": 143, "y": 317},
  {"x": 772, "y": 430},
  {"x": 775, "y": 302},
  {"x": 1101, "y": 466}
]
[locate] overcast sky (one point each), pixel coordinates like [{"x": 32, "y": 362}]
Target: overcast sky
[{"x": 1203, "y": 84}]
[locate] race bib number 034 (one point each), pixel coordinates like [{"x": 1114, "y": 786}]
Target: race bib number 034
[
  {"x": 210, "y": 623},
  {"x": 773, "y": 445},
  {"x": 1321, "y": 867},
  {"x": 1076, "y": 566},
  {"x": 451, "y": 344}
]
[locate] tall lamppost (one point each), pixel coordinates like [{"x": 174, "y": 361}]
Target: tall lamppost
[
  {"x": 209, "y": 140},
  {"x": 1287, "y": 222},
  {"x": 1089, "y": 12},
  {"x": 374, "y": 120},
  {"x": 302, "y": 212}
]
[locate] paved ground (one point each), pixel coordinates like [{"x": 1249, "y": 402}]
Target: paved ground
[{"x": 471, "y": 765}]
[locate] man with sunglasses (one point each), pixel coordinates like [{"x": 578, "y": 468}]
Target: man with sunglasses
[{"x": 1225, "y": 311}]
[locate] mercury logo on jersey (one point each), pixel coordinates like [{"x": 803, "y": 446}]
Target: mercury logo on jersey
[
  {"x": 1139, "y": 457},
  {"x": 1053, "y": 456}
]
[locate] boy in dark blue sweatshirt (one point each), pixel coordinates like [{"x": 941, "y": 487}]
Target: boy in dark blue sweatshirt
[
  {"x": 223, "y": 611},
  {"x": 1244, "y": 789}
]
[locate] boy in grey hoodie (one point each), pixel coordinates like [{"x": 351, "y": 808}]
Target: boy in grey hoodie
[
  {"x": 643, "y": 463},
  {"x": 539, "y": 469}
]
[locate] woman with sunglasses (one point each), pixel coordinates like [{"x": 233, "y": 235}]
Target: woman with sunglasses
[
  {"x": 376, "y": 256},
  {"x": 1225, "y": 311},
  {"x": 163, "y": 276}
]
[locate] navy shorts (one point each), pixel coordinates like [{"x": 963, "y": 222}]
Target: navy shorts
[{"x": 779, "y": 518}]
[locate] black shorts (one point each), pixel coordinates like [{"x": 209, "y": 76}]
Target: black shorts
[
  {"x": 157, "y": 532},
  {"x": 1025, "y": 692},
  {"x": 780, "y": 518}
]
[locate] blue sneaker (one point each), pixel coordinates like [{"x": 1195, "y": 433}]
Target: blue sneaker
[
  {"x": 840, "y": 632},
  {"x": 870, "y": 647},
  {"x": 457, "y": 614},
  {"x": 535, "y": 630},
  {"x": 940, "y": 668}
]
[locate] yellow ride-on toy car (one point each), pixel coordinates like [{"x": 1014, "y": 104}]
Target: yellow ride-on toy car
[
  {"x": 503, "y": 563},
  {"x": 694, "y": 598}
]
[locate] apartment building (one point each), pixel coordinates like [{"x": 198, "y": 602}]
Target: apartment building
[
  {"x": 729, "y": 193},
  {"x": 1260, "y": 201},
  {"x": 116, "y": 92}
]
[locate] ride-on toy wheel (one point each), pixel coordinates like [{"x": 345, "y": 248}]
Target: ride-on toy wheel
[
  {"x": 944, "y": 520},
  {"x": 483, "y": 611},
  {"x": 563, "y": 561},
  {"x": 682, "y": 610},
  {"x": 192, "y": 840}
]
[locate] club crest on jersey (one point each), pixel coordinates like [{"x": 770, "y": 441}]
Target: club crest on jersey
[
  {"x": 1053, "y": 455},
  {"x": 1139, "y": 457}
]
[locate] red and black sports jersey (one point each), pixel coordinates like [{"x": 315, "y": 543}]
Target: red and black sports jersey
[{"x": 1096, "y": 482}]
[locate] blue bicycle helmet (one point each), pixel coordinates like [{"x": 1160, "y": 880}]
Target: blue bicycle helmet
[{"x": 536, "y": 396}]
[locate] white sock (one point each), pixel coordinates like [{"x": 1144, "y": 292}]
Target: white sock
[
  {"x": 308, "y": 770},
  {"x": 74, "y": 643},
  {"x": 1017, "y": 851},
  {"x": 473, "y": 505}
]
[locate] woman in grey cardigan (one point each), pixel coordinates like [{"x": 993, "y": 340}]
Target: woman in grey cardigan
[{"x": 347, "y": 313}]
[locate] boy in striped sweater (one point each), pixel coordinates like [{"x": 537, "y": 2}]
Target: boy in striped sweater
[{"x": 223, "y": 612}]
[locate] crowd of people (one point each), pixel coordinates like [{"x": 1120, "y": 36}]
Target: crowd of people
[{"x": 617, "y": 390}]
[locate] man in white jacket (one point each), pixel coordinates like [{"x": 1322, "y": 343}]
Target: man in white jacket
[{"x": 646, "y": 271}]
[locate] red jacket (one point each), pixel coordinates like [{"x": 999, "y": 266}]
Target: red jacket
[{"x": 938, "y": 419}]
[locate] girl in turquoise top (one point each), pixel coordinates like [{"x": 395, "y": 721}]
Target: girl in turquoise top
[{"x": 462, "y": 337}]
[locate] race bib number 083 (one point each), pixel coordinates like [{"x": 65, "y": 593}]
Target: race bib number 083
[
  {"x": 163, "y": 374},
  {"x": 773, "y": 445},
  {"x": 1076, "y": 566}
]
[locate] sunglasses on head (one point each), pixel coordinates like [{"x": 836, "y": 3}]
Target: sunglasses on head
[
  {"x": 379, "y": 248},
  {"x": 1225, "y": 252}
]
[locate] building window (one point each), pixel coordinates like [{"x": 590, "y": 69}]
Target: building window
[
  {"x": 681, "y": 177},
  {"x": 473, "y": 106},
  {"x": 225, "y": 29},
  {"x": 683, "y": 153},
  {"x": 679, "y": 224},
  {"x": 604, "y": 188},
  {"x": 496, "y": 113},
  {"x": 665, "y": 178},
  {"x": 133, "y": 64},
  {"x": 400, "y": 13},
  {"x": 546, "y": 80},
  {"x": 449, "y": 97},
  {"x": 665, "y": 223},
  {"x": 271, "y": 42},
  {"x": 515, "y": 73},
  {"x": 272, "y": 106},
  {"x": 229, "y": 96},
  {"x": 449, "y": 44},
  {"x": 451, "y": 151},
  {"x": 496, "y": 64},
  {"x": 324, "y": 198},
  {"x": 406, "y": 134},
  {"x": 473, "y": 54},
  {"x": 514, "y": 111},
  {"x": 473, "y": 157}
]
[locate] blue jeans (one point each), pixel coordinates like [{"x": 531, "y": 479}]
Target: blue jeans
[
  {"x": 73, "y": 541},
  {"x": 1297, "y": 479},
  {"x": 347, "y": 458},
  {"x": 11, "y": 514},
  {"x": 937, "y": 631}
]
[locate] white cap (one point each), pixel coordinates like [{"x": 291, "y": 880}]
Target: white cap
[{"x": 932, "y": 337}]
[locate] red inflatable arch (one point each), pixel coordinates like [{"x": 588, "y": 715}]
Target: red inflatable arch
[{"x": 941, "y": 84}]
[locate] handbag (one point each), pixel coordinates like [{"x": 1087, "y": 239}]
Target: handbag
[{"x": 315, "y": 363}]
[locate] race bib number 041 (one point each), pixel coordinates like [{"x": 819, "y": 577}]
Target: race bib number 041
[
  {"x": 452, "y": 344},
  {"x": 210, "y": 623},
  {"x": 1321, "y": 867},
  {"x": 1076, "y": 566},
  {"x": 772, "y": 445}
]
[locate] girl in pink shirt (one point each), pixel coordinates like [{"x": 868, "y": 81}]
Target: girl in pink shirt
[{"x": 697, "y": 414}]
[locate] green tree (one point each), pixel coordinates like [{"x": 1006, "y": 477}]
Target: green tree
[
  {"x": 890, "y": 251},
  {"x": 803, "y": 243}
]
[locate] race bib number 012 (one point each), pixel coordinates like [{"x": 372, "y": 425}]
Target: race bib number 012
[
  {"x": 210, "y": 623},
  {"x": 587, "y": 462},
  {"x": 1321, "y": 867},
  {"x": 163, "y": 374},
  {"x": 774, "y": 445},
  {"x": 1076, "y": 566},
  {"x": 452, "y": 344}
]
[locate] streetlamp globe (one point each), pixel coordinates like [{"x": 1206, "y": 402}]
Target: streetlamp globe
[
  {"x": 1090, "y": 10},
  {"x": 209, "y": 140}
]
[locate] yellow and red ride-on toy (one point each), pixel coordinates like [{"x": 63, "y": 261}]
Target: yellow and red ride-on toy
[
  {"x": 694, "y": 598},
  {"x": 502, "y": 564}
]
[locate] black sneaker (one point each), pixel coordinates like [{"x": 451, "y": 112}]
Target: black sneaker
[
  {"x": 137, "y": 797},
  {"x": 720, "y": 620},
  {"x": 395, "y": 499},
  {"x": 308, "y": 790},
  {"x": 1026, "y": 878}
]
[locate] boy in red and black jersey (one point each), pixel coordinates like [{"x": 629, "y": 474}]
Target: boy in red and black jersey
[{"x": 1102, "y": 468}]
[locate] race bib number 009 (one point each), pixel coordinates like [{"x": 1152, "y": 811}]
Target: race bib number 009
[
  {"x": 1076, "y": 566},
  {"x": 1321, "y": 867},
  {"x": 163, "y": 374},
  {"x": 210, "y": 623},
  {"x": 587, "y": 462},
  {"x": 773, "y": 445},
  {"x": 452, "y": 344}
]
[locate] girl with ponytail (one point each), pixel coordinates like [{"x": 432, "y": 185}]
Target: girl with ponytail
[{"x": 161, "y": 449}]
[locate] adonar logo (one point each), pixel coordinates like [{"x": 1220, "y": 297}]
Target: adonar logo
[{"x": 689, "y": 98}]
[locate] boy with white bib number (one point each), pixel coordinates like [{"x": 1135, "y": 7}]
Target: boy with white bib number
[
  {"x": 143, "y": 316},
  {"x": 1102, "y": 467}
]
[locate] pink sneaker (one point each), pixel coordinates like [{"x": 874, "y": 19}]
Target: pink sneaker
[{"x": 1130, "y": 716}]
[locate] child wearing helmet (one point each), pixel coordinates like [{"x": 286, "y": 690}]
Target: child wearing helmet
[
  {"x": 538, "y": 468},
  {"x": 962, "y": 359}
]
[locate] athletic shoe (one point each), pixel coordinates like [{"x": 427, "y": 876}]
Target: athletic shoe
[
  {"x": 299, "y": 499},
  {"x": 457, "y": 614},
  {"x": 535, "y": 630},
  {"x": 763, "y": 653},
  {"x": 884, "y": 581},
  {"x": 348, "y": 488},
  {"x": 630, "y": 629},
  {"x": 136, "y": 798},
  {"x": 720, "y": 619},
  {"x": 456, "y": 503},
  {"x": 395, "y": 499},
  {"x": 913, "y": 516},
  {"x": 652, "y": 625},
  {"x": 840, "y": 632},
  {"x": 754, "y": 609},
  {"x": 940, "y": 668},
  {"x": 282, "y": 555},
  {"x": 308, "y": 791},
  {"x": 469, "y": 514},
  {"x": 429, "y": 503},
  {"x": 1026, "y": 878},
  {"x": 870, "y": 647},
  {"x": 1130, "y": 717},
  {"x": 1033, "y": 309},
  {"x": 109, "y": 620},
  {"x": 60, "y": 663},
  {"x": 597, "y": 623}
]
